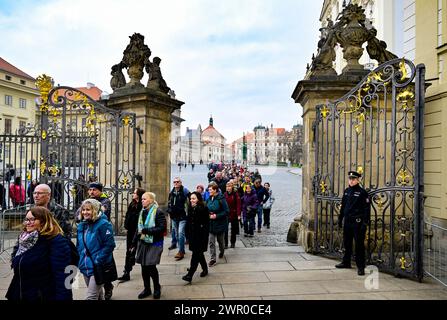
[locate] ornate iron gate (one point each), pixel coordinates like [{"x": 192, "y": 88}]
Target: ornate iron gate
[
  {"x": 75, "y": 140},
  {"x": 377, "y": 128}
]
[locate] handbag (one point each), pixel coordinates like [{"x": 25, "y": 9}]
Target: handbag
[{"x": 103, "y": 273}]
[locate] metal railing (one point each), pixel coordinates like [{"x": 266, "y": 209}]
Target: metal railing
[
  {"x": 11, "y": 224},
  {"x": 435, "y": 252}
]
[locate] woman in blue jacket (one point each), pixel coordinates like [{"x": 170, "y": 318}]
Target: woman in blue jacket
[
  {"x": 218, "y": 211},
  {"x": 39, "y": 260},
  {"x": 95, "y": 244}
]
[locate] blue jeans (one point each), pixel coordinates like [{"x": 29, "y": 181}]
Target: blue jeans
[
  {"x": 259, "y": 216},
  {"x": 178, "y": 234}
]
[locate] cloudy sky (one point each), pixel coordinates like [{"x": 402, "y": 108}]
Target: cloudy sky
[{"x": 237, "y": 60}]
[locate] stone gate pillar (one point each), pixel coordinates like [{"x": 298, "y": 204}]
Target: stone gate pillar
[
  {"x": 310, "y": 93},
  {"x": 153, "y": 110},
  {"x": 153, "y": 105}
]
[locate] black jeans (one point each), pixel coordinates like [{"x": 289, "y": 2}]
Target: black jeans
[
  {"x": 196, "y": 258},
  {"x": 266, "y": 217},
  {"x": 354, "y": 231},
  {"x": 149, "y": 272},
  {"x": 130, "y": 256},
  {"x": 234, "y": 231}
]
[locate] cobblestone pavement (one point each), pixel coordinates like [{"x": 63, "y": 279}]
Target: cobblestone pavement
[{"x": 286, "y": 186}]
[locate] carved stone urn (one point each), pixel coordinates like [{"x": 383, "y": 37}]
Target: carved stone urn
[
  {"x": 352, "y": 36},
  {"x": 134, "y": 58}
]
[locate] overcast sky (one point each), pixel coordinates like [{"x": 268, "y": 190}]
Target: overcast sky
[{"x": 237, "y": 60}]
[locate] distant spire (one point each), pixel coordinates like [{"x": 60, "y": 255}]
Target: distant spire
[{"x": 211, "y": 120}]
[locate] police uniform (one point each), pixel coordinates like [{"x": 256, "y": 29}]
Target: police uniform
[{"x": 355, "y": 211}]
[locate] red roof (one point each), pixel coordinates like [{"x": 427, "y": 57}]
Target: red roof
[
  {"x": 6, "y": 66},
  {"x": 210, "y": 130},
  {"x": 280, "y": 131},
  {"x": 92, "y": 92}
]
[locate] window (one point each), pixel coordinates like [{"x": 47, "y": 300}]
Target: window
[
  {"x": 440, "y": 68},
  {"x": 8, "y": 78},
  {"x": 22, "y": 103},
  {"x": 8, "y": 100},
  {"x": 22, "y": 124},
  {"x": 23, "y": 82},
  {"x": 8, "y": 126}
]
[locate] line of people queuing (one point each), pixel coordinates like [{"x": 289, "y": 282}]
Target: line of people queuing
[{"x": 199, "y": 218}]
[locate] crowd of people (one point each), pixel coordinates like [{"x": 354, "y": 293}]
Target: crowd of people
[{"x": 234, "y": 198}]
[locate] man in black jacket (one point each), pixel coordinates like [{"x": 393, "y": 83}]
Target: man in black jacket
[
  {"x": 355, "y": 211},
  {"x": 42, "y": 197},
  {"x": 177, "y": 212}
]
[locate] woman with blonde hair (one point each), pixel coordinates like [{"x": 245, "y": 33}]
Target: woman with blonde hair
[
  {"x": 95, "y": 244},
  {"x": 39, "y": 260},
  {"x": 149, "y": 243}
]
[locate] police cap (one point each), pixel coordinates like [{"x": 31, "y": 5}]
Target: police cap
[{"x": 354, "y": 174}]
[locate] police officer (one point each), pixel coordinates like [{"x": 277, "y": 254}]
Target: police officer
[{"x": 355, "y": 210}]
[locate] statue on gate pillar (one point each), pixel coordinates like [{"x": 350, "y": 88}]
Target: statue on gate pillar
[
  {"x": 156, "y": 80},
  {"x": 118, "y": 80},
  {"x": 134, "y": 58}
]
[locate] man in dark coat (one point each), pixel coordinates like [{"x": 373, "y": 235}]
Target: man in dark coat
[
  {"x": 95, "y": 191},
  {"x": 177, "y": 212},
  {"x": 221, "y": 182},
  {"x": 355, "y": 211},
  {"x": 42, "y": 197},
  {"x": 263, "y": 196}
]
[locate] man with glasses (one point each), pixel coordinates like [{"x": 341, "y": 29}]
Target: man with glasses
[
  {"x": 42, "y": 197},
  {"x": 177, "y": 212},
  {"x": 355, "y": 211}
]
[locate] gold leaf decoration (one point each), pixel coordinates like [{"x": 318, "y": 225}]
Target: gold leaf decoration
[
  {"x": 323, "y": 187},
  {"x": 402, "y": 263},
  {"x": 403, "y": 70},
  {"x": 43, "y": 166},
  {"x": 44, "y": 134},
  {"x": 325, "y": 111},
  {"x": 44, "y": 83},
  {"x": 403, "y": 178}
]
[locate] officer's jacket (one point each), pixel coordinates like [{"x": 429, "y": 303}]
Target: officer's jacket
[{"x": 355, "y": 204}]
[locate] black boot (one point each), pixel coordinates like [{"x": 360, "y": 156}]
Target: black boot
[
  {"x": 204, "y": 273},
  {"x": 187, "y": 278},
  {"x": 145, "y": 293},
  {"x": 157, "y": 291},
  {"x": 125, "y": 277},
  {"x": 343, "y": 266}
]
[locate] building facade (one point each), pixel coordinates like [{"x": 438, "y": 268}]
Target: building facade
[
  {"x": 18, "y": 95},
  {"x": 213, "y": 144},
  {"x": 269, "y": 146}
]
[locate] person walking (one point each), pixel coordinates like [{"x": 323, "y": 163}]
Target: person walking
[
  {"x": 149, "y": 243},
  {"x": 355, "y": 212},
  {"x": 199, "y": 224},
  {"x": 218, "y": 212},
  {"x": 95, "y": 191},
  {"x": 267, "y": 206},
  {"x": 250, "y": 205},
  {"x": 39, "y": 259},
  {"x": 42, "y": 197},
  {"x": 131, "y": 225},
  {"x": 177, "y": 212},
  {"x": 234, "y": 204},
  {"x": 95, "y": 243},
  {"x": 263, "y": 196},
  {"x": 17, "y": 193}
]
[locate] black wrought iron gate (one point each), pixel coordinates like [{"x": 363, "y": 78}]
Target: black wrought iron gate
[
  {"x": 75, "y": 140},
  {"x": 377, "y": 128}
]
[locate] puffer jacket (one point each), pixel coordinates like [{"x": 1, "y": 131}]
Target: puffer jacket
[
  {"x": 219, "y": 206},
  {"x": 249, "y": 201},
  {"x": 39, "y": 273},
  {"x": 100, "y": 242}
]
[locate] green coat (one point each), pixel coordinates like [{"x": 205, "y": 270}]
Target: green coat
[{"x": 219, "y": 206}]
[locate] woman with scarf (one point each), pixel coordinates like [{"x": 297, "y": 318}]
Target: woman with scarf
[
  {"x": 95, "y": 245},
  {"x": 149, "y": 243},
  {"x": 39, "y": 260},
  {"x": 131, "y": 225}
]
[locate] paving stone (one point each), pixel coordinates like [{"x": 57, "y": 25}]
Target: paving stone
[{"x": 274, "y": 288}]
